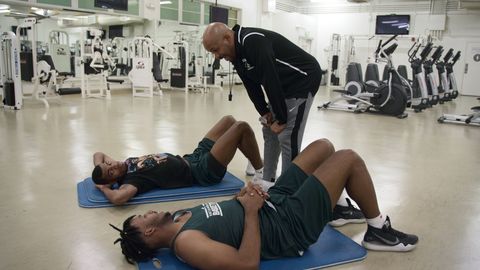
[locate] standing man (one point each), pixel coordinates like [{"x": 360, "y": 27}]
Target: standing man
[{"x": 290, "y": 78}]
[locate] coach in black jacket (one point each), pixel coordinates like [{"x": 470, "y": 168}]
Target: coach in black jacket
[{"x": 290, "y": 78}]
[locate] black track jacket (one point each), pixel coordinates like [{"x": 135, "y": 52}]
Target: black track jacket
[{"x": 283, "y": 69}]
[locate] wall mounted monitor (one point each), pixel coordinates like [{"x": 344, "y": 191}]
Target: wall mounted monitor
[
  {"x": 112, "y": 4},
  {"x": 392, "y": 25},
  {"x": 218, "y": 14}
]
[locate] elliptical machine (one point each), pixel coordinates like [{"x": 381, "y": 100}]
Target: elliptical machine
[
  {"x": 418, "y": 84},
  {"x": 384, "y": 98},
  {"x": 443, "y": 78},
  {"x": 452, "y": 83},
  {"x": 432, "y": 85}
]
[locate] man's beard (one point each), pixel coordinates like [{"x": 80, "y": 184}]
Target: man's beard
[{"x": 165, "y": 219}]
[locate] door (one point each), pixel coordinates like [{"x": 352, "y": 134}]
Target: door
[{"x": 472, "y": 70}]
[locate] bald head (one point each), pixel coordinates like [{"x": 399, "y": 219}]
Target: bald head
[{"x": 219, "y": 40}]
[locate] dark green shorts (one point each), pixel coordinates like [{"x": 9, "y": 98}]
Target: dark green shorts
[
  {"x": 304, "y": 203},
  {"x": 206, "y": 170}
]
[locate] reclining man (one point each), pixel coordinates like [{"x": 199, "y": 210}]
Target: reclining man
[
  {"x": 205, "y": 166},
  {"x": 256, "y": 225}
]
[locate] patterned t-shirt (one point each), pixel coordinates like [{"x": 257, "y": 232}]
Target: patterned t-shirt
[{"x": 162, "y": 170}]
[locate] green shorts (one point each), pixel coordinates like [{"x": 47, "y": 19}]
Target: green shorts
[
  {"x": 303, "y": 203},
  {"x": 206, "y": 170}
]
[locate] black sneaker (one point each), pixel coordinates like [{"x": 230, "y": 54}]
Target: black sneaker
[
  {"x": 388, "y": 239},
  {"x": 346, "y": 214}
]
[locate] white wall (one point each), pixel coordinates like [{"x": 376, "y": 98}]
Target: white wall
[{"x": 293, "y": 26}]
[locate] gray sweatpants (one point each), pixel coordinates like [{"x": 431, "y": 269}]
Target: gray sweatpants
[{"x": 289, "y": 141}]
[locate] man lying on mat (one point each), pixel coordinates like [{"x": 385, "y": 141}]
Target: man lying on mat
[
  {"x": 237, "y": 233},
  {"x": 205, "y": 166}
]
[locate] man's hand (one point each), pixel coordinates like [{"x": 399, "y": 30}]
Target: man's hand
[
  {"x": 253, "y": 188},
  {"x": 251, "y": 201},
  {"x": 266, "y": 119},
  {"x": 277, "y": 128}
]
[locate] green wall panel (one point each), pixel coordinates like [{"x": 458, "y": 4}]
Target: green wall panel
[
  {"x": 90, "y": 4},
  {"x": 206, "y": 13},
  {"x": 191, "y": 6},
  {"x": 169, "y": 14},
  {"x": 169, "y": 11},
  {"x": 66, "y": 3},
  {"x": 190, "y": 17}
]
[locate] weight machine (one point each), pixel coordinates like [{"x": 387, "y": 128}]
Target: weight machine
[
  {"x": 43, "y": 84},
  {"x": 146, "y": 70},
  {"x": 94, "y": 63},
  {"x": 11, "y": 81}
]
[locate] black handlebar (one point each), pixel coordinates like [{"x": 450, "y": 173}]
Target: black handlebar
[
  {"x": 456, "y": 57},
  {"x": 426, "y": 51},
  {"x": 436, "y": 55},
  {"x": 389, "y": 40},
  {"x": 448, "y": 55},
  {"x": 378, "y": 47},
  {"x": 390, "y": 49}
]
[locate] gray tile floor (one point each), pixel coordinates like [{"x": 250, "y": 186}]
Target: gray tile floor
[{"x": 426, "y": 174}]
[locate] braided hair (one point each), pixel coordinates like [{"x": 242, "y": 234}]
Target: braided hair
[{"x": 133, "y": 246}]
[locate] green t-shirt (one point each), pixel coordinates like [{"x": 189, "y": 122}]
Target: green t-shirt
[{"x": 223, "y": 222}]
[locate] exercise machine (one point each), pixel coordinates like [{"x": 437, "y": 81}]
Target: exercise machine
[
  {"x": 11, "y": 81},
  {"x": 466, "y": 119},
  {"x": 432, "y": 85},
  {"x": 452, "y": 82},
  {"x": 94, "y": 64},
  {"x": 418, "y": 83},
  {"x": 59, "y": 59},
  {"x": 384, "y": 98},
  {"x": 43, "y": 86},
  {"x": 146, "y": 72}
]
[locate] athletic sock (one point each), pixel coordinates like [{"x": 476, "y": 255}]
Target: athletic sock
[
  {"x": 377, "y": 222},
  {"x": 259, "y": 170},
  {"x": 343, "y": 199}
]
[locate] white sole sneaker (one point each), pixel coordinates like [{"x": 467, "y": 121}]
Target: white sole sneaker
[
  {"x": 250, "y": 171},
  {"x": 380, "y": 247},
  {"x": 340, "y": 222}
]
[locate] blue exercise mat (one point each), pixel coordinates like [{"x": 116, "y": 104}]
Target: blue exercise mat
[
  {"x": 90, "y": 196},
  {"x": 332, "y": 248}
]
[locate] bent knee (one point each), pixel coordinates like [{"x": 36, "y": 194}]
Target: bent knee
[
  {"x": 242, "y": 125},
  {"x": 229, "y": 118},
  {"x": 325, "y": 144},
  {"x": 349, "y": 153}
]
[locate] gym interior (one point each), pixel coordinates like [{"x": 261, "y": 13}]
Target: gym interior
[{"x": 132, "y": 77}]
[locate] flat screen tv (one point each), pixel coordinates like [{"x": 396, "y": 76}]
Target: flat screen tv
[
  {"x": 392, "y": 25},
  {"x": 112, "y": 4},
  {"x": 115, "y": 31},
  {"x": 218, "y": 14}
]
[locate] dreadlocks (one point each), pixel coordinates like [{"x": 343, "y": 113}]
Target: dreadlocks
[{"x": 133, "y": 247}]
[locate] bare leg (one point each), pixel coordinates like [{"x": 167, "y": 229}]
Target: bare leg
[
  {"x": 220, "y": 128},
  {"x": 240, "y": 135},
  {"x": 346, "y": 169}
]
